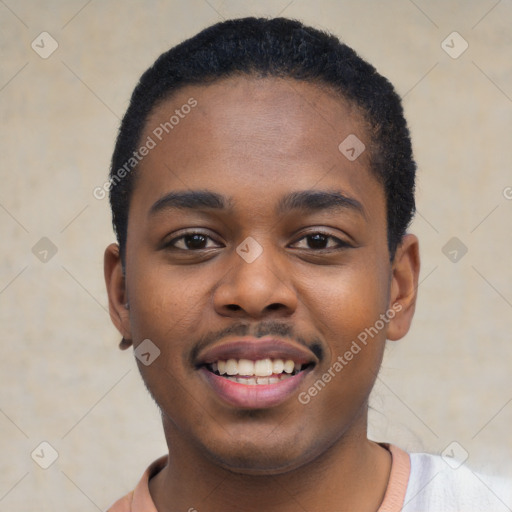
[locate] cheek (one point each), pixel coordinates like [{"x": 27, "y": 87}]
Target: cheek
[
  {"x": 166, "y": 309},
  {"x": 162, "y": 301},
  {"x": 346, "y": 308},
  {"x": 347, "y": 301},
  {"x": 169, "y": 306},
  {"x": 337, "y": 393}
]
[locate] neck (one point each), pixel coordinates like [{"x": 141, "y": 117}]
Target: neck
[{"x": 351, "y": 475}]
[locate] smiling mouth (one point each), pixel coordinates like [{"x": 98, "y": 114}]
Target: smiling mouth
[{"x": 257, "y": 372}]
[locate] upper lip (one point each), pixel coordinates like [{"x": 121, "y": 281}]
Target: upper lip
[{"x": 255, "y": 349}]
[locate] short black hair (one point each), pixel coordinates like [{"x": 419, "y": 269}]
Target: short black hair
[{"x": 274, "y": 47}]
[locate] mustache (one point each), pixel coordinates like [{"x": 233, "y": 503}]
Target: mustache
[{"x": 259, "y": 330}]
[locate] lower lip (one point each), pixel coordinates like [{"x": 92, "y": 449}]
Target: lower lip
[{"x": 259, "y": 396}]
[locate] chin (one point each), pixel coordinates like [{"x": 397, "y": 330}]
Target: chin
[
  {"x": 255, "y": 463},
  {"x": 259, "y": 458}
]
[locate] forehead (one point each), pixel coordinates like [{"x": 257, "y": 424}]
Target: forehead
[{"x": 258, "y": 136}]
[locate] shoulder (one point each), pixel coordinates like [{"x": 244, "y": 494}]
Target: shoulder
[
  {"x": 437, "y": 484},
  {"x": 139, "y": 500},
  {"x": 122, "y": 505}
]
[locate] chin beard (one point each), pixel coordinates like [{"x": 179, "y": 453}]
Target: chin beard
[{"x": 249, "y": 459}]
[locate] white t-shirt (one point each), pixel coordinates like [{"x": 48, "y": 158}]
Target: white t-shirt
[{"x": 435, "y": 485}]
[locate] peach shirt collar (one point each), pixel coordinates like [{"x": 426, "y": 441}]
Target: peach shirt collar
[{"x": 393, "y": 499}]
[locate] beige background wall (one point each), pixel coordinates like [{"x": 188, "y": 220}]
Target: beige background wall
[{"x": 64, "y": 381}]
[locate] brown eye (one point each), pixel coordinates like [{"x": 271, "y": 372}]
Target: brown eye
[
  {"x": 194, "y": 241},
  {"x": 190, "y": 242},
  {"x": 317, "y": 241},
  {"x": 320, "y": 241}
]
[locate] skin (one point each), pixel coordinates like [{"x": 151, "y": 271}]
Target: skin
[{"x": 257, "y": 140}]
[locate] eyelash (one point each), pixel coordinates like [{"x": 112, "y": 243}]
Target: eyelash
[{"x": 341, "y": 244}]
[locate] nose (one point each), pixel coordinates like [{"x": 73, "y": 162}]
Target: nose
[{"x": 256, "y": 288}]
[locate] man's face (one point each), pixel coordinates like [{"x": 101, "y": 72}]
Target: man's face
[{"x": 322, "y": 274}]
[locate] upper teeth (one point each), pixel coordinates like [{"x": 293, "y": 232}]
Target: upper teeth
[{"x": 259, "y": 368}]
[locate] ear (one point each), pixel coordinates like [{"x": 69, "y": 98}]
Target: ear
[
  {"x": 404, "y": 286},
  {"x": 117, "y": 296}
]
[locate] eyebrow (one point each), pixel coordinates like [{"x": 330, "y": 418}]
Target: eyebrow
[
  {"x": 305, "y": 200},
  {"x": 318, "y": 200}
]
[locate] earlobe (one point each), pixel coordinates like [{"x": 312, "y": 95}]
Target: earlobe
[
  {"x": 116, "y": 290},
  {"x": 404, "y": 286}
]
